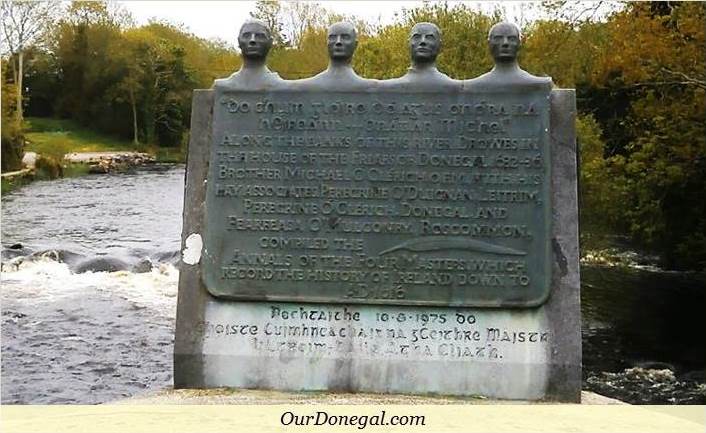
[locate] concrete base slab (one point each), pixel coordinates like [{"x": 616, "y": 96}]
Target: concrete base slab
[{"x": 254, "y": 396}]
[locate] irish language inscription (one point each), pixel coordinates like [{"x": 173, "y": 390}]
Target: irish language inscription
[
  {"x": 383, "y": 332},
  {"x": 379, "y": 197}
]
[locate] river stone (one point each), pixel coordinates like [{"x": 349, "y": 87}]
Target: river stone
[
  {"x": 11, "y": 253},
  {"x": 171, "y": 257},
  {"x": 101, "y": 264},
  {"x": 143, "y": 266},
  {"x": 63, "y": 256}
]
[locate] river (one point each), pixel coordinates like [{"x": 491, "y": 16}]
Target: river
[{"x": 74, "y": 334}]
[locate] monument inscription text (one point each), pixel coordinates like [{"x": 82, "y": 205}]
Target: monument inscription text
[
  {"x": 385, "y": 198},
  {"x": 377, "y": 333}
]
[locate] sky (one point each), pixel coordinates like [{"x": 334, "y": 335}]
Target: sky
[{"x": 222, "y": 19}]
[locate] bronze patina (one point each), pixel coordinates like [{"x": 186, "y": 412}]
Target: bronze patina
[{"x": 422, "y": 190}]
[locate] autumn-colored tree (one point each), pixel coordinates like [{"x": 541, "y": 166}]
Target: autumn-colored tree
[
  {"x": 11, "y": 146},
  {"x": 656, "y": 58},
  {"x": 310, "y": 58}
]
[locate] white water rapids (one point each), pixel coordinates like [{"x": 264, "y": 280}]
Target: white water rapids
[{"x": 89, "y": 337}]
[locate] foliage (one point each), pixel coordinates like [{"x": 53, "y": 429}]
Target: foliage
[
  {"x": 657, "y": 60},
  {"x": 269, "y": 12},
  {"x": 12, "y": 144},
  {"x": 556, "y": 49},
  {"x": 131, "y": 82},
  {"x": 639, "y": 73},
  {"x": 599, "y": 214},
  {"x": 24, "y": 24},
  {"x": 309, "y": 59}
]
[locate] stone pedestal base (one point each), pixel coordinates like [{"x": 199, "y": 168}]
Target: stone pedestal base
[{"x": 528, "y": 353}]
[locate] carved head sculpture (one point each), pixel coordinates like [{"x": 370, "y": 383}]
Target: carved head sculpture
[
  {"x": 254, "y": 40},
  {"x": 504, "y": 42},
  {"x": 342, "y": 41},
  {"x": 424, "y": 43}
]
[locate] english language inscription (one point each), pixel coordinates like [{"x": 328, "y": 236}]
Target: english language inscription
[{"x": 379, "y": 198}]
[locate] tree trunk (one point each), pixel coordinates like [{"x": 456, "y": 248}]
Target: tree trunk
[
  {"x": 134, "y": 117},
  {"x": 20, "y": 65}
]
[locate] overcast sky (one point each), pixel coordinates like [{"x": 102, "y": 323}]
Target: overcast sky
[{"x": 222, "y": 19}]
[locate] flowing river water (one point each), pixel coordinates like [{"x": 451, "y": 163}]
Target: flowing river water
[{"x": 89, "y": 289}]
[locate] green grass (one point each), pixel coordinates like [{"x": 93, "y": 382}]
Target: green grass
[
  {"x": 9, "y": 185},
  {"x": 55, "y": 138}
]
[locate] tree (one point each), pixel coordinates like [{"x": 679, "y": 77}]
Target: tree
[
  {"x": 24, "y": 24},
  {"x": 656, "y": 60},
  {"x": 12, "y": 144},
  {"x": 270, "y": 12},
  {"x": 87, "y": 44},
  {"x": 301, "y": 17}
]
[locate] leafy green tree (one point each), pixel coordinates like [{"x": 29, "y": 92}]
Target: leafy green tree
[
  {"x": 86, "y": 42},
  {"x": 601, "y": 184},
  {"x": 564, "y": 52}
]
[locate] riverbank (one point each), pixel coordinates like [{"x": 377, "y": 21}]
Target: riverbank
[{"x": 62, "y": 148}]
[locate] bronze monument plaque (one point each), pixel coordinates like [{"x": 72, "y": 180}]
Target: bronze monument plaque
[{"x": 379, "y": 197}]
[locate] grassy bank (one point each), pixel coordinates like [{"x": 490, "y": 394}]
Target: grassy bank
[
  {"x": 54, "y": 138},
  {"x": 51, "y": 139}
]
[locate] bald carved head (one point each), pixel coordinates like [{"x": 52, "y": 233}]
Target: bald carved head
[
  {"x": 504, "y": 42},
  {"x": 342, "y": 41},
  {"x": 254, "y": 40},
  {"x": 424, "y": 43}
]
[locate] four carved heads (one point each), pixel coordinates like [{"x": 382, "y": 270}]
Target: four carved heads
[
  {"x": 255, "y": 41},
  {"x": 425, "y": 42}
]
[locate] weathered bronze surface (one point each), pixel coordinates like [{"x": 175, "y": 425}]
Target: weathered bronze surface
[
  {"x": 401, "y": 198},
  {"x": 422, "y": 190}
]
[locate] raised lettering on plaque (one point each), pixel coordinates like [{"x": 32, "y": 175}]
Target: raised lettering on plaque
[{"x": 379, "y": 195}]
